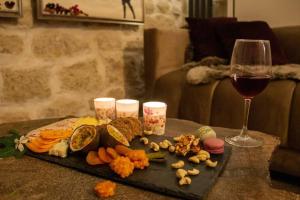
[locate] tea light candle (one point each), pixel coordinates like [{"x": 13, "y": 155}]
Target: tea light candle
[
  {"x": 127, "y": 108},
  {"x": 105, "y": 108},
  {"x": 154, "y": 114}
]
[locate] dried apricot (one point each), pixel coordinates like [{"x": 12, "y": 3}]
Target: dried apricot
[
  {"x": 93, "y": 159},
  {"x": 103, "y": 155}
]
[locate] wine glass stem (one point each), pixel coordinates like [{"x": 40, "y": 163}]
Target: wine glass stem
[{"x": 246, "y": 116}]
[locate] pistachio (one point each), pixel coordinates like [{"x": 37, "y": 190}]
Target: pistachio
[
  {"x": 180, "y": 173},
  {"x": 178, "y": 164}
]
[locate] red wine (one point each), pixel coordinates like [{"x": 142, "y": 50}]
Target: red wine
[{"x": 250, "y": 86}]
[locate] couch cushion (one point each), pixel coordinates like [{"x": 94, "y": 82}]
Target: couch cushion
[
  {"x": 203, "y": 37},
  {"x": 229, "y": 32},
  {"x": 196, "y": 102},
  {"x": 294, "y": 130}
]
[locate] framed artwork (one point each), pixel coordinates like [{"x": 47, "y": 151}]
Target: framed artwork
[
  {"x": 108, "y": 11},
  {"x": 10, "y": 8}
]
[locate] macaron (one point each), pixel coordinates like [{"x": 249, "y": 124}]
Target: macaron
[
  {"x": 205, "y": 132},
  {"x": 214, "y": 145}
]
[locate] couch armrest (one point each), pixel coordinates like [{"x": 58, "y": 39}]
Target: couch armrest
[
  {"x": 164, "y": 52},
  {"x": 289, "y": 40}
]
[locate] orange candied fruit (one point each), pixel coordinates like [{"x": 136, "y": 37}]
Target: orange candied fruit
[{"x": 105, "y": 189}]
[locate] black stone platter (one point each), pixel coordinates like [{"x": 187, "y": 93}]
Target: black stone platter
[{"x": 158, "y": 177}]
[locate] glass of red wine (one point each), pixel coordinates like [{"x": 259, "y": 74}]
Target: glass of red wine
[{"x": 250, "y": 74}]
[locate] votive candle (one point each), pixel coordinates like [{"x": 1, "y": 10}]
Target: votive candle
[
  {"x": 105, "y": 108},
  {"x": 154, "y": 114},
  {"x": 127, "y": 108}
]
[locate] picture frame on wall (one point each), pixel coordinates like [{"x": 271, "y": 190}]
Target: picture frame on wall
[
  {"x": 106, "y": 11},
  {"x": 11, "y": 8}
]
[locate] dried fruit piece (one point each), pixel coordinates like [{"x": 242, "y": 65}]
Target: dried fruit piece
[
  {"x": 103, "y": 155},
  {"x": 122, "y": 166},
  {"x": 139, "y": 158},
  {"x": 112, "y": 152},
  {"x": 122, "y": 150},
  {"x": 93, "y": 159},
  {"x": 105, "y": 189}
]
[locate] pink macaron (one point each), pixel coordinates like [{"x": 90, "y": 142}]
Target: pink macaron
[{"x": 214, "y": 145}]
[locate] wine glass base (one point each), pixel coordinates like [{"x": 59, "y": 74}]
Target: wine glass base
[{"x": 244, "y": 141}]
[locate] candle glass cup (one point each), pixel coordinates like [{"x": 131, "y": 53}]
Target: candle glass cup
[
  {"x": 105, "y": 108},
  {"x": 127, "y": 108},
  {"x": 154, "y": 116}
]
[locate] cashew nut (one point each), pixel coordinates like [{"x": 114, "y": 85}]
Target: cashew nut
[
  {"x": 194, "y": 159},
  {"x": 148, "y": 132},
  {"x": 178, "y": 164},
  {"x": 163, "y": 145},
  {"x": 144, "y": 140},
  {"x": 167, "y": 142},
  {"x": 210, "y": 163},
  {"x": 171, "y": 148},
  {"x": 178, "y": 138},
  {"x": 204, "y": 152},
  {"x": 154, "y": 146},
  {"x": 185, "y": 181},
  {"x": 202, "y": 157},
  {"x": 196, "y": 141},
  {"x": 180, "y": 173},
  {"x": 193, "y": 172}
]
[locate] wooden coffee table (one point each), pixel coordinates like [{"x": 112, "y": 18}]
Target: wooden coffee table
[{"x": 246, "y": 175}]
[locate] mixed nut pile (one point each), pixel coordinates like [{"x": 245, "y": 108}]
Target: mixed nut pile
[{"x": 184, "y": 145}]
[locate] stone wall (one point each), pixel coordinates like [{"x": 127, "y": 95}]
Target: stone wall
[
  {"x": 54, "y": 69},
  {"x": 165, "y": 13}
]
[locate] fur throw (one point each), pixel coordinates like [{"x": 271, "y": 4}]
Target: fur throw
[{"x": 201, "y": 74}]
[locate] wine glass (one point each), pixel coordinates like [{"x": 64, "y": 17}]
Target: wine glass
[{"x": 250, "y": 74}]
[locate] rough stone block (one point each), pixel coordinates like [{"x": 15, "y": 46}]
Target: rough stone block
[
  {"x": 114, "y": 68},
  {"x": 149, "y": 7},
  {"x": 23, "y": 85},
  {"x": 13, "y": 114},
  {"x": 11, "y": 44},
  {"x": 163, "y": 6},
  {"x": 134, "y": 74},
  {"x": 64, "y": 106},
  {"x": 117, "y": 93},
  {"x": 109, "y": 40},
  {"x": 51, "y": 44},
  {"x": 81, "y": 77}
]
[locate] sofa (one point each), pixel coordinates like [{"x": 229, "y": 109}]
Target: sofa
[{"x": 275, "y": 111}]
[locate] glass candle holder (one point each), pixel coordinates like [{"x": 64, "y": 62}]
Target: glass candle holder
[
  {"x": 105, "y": 108},
  {"x": 127, "y": 108},
  {"x": 154, "y": 114}
]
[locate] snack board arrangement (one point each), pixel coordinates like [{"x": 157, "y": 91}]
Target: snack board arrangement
[{"x": 185, "y": 166}]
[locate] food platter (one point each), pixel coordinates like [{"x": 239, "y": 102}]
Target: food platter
[{"x": 158, "y": 176}]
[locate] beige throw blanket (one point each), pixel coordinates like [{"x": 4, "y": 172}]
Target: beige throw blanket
[{"x": 201, "y": 74}]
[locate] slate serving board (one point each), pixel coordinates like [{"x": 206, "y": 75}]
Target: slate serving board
[{"x": 158, "y": 177}]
